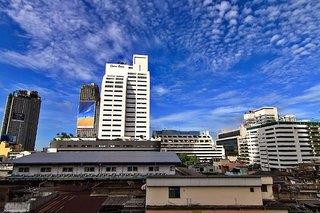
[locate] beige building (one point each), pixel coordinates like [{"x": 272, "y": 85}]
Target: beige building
[{"x": 210, "y": 194}]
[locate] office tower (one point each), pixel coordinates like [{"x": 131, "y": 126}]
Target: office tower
[
  {"x": 229, "y": 139},
  {"x": 125, "y": 100},
  {"x": 21, "y": 118},
  {"x": 88, "y": 114},
  {"x": 260, "y": 116},
  {"x": 195, "y": 143}
]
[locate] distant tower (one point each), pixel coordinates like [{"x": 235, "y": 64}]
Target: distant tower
[
  {"x": 21, "y": 118},
  {"x": 125, "y": 100},
  {"x": 88, "y": 114}
]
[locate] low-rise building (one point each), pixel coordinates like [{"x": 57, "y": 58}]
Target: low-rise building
[
  {"x": 99, "y": 165},
  {"x": 195, "y": 143},
  {"x": 218, "y": 193}
]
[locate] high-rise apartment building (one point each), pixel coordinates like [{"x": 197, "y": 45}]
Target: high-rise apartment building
[
  {"x": 195, "y": 143},
  {"x": 125, "y": 100},
  {"x": 21, "y": 118},
  {"x": 88, "y": 115}
]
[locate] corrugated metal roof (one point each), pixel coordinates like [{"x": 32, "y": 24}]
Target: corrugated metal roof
[{"x": 124, "y": 157}]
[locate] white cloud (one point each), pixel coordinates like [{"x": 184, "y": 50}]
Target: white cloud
[
  {"x": 249, "y": 19},
  {"x": 228, "y": 110},
  {"x": 207, "y": 2},
  {"x": 274, "y": 38},
  {"x": 223, "y": 7},
  {"x": 310, "y": 95},
  {"x": 176, "y": 117},
  {"x": 231, "y": 14},
  {"x": 64, "y": 39},
  {"x": 160, "y": 90}
]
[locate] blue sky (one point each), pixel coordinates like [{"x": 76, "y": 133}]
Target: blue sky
[{"x": 210, "y": 61}]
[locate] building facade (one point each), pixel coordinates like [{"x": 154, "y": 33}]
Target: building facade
[
  {"x": 281, "y": 145},
  {"x": 86, "y": 144},
  {"x": 125, "y": 100},
  {"x": 260, "y": 116},
  {"x": 210, "y": 194},
  {"x": 230, "y": 140},
  {"x": 284, "y": 145},
  {"x": 88, "y": 114},
  {"x": 21, "y": 118},
  {"x": 195, "y": 143},
  {"x": 99, "y": 165},
  {"x": 249, "y": 147}
]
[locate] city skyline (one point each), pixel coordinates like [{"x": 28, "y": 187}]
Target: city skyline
[{"x": 209, "y": 61}]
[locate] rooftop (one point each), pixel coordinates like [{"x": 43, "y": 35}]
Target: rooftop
[
  {"x": 107, "y": 157},
  {"x": 310, "y": 123},
  {"x": 178, "y": 132}
]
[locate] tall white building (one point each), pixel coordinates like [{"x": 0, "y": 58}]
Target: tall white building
[{"x": 125, "y": 100}]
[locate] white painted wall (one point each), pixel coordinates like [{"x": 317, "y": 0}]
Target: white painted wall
[{"x": 78, "y": 169}]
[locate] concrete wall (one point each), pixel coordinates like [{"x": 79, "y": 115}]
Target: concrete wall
[
  {"x": 217, "y": 211},
  {"x": 29, "y": 205},
  {"x": 207, "y": 195},
  {"x": 269, "y": 194}
]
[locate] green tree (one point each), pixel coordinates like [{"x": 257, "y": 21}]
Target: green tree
[
  {"x": 64, "y": 135},
  {"x": 188, "y": 160}
]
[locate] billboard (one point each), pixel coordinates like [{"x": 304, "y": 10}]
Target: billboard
[{"x": 86, "y": 114}]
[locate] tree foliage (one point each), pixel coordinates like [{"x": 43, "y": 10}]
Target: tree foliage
[
  {"x": 188, "y": 160},
  {"x": 64, "y": 135}
]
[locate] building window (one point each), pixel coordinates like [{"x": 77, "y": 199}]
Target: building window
[
  {"x": 88, "y": 169},
  {"x": 251, "y": 189},
  {"x": 132, "y": 169},
  {"x": 264, "y": 188},
  {"x": 67, "y": 169},
  {"x": 111, "y": 169},
  {"x": 153, "y": 168},
  {"x": 45, "y": 169},
  {"x": 174, "y": 192},
  {"x": 24, "y": 169}
]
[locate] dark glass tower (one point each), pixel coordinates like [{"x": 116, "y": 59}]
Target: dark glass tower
[
  {"x": 88, "y": 115},
  {"x": 21, "y": 116}
]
